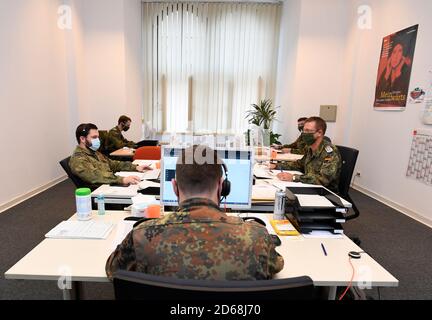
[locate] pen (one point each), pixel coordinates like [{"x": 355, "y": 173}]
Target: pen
[{"x": 325, "y": 252}]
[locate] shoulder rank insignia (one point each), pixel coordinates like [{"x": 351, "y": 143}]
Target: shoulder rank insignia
[{"x": 329, "y": 149}]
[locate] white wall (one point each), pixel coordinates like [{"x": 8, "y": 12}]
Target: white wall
[
  {"x": 51, "y": 80},
  {"x": 384, "y": 138},
  {"x": 310, "y": 72},
  {"x": 108, "y": 44},
  {"x": 33, "y": 96},
  {"x": 325, "y": 58}
]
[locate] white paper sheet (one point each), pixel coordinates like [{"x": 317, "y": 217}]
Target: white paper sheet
[
  {"x": 263, "y": 192},
  {"x": 146, "y": 175},
  {"x": 150, "y": 163},
  {"x": 123, "y": 228},
  {"x": 81, "y": 230},
  {"x": 147, "y": 184},
  {"x": 111, "y": 191},
  {"x": 312, "y": 200},
  {"x": 318, "y": 234}
]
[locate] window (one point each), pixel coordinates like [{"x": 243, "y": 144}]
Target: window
[{"x": 204, "y": 64}]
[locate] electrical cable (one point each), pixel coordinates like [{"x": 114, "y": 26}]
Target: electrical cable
[{"x": 350, "y": 283}]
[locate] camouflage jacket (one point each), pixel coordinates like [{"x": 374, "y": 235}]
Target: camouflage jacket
[
  {"x": 95, "y": 168},
  {"x": 320, "y": 167},
  {"x": 115, "y": 140},
  {"x": 298, "y": 146},
  {"x": 198, "y": 242}
]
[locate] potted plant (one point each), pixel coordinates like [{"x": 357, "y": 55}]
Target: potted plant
[{"x": 262, "y": 115}]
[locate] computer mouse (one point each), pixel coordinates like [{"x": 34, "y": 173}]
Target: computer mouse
[{"x": 276, "y": 240}]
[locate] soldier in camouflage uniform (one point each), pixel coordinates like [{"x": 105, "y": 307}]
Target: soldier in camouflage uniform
[
  {"x": 298, "y": 146},
  {"x": 199, "y": 241},
  {"x": 115, "y": 139},
  {"x": 322, "y": 161},
  {"x": 92, "y": 166}
]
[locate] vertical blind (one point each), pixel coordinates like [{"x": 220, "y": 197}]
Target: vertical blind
[{"x": 204, "y": 64}]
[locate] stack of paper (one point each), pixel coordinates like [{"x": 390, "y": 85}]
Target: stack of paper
[
  {"x": 262, "y": 171},
  {"x": 146, "y": 175},
  {"x": 149, "y": 163},
  {"x": 111, "y": 191},
  {"x": 263, "y": 192},
  {"x": 81, "y": 230},
  {"x": 313, "y": 200},
  {"x": 148, "y": 184}
]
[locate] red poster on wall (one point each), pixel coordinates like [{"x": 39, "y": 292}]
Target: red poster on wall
[{"x": 394, "y": 70}]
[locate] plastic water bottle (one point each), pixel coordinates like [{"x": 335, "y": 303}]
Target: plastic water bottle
[
  {"x": 101, "y": 204},
  {"x": 83, "y": 203}
]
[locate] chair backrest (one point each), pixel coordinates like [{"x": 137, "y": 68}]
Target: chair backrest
[
  {"x": 349, "y": 159},
  {"x": 148, "y": 153},
  {"x": 76, "y": 180},
  {"x": 129, "y": 285}
]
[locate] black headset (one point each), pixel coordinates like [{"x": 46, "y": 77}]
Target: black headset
[{"x": 226, "y": 184}]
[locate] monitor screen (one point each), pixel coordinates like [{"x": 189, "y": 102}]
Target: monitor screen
[{"x": 239, "y": 164}]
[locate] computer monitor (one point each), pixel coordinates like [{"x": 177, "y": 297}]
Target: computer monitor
[
  {"x": 239, "y": 165},
  {"x": 146, "y": 143}
]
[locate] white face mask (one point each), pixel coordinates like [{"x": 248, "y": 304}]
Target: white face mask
[{"x": 95, "y": 144}]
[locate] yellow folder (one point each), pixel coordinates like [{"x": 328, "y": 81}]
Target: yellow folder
[{"x": 284, "y": 227}]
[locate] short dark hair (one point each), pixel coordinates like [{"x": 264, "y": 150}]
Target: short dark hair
[
  {"x": 320, "y": 124},
  {"x": 302, "y": 119},
  {"x": 123, "y": 119},
  {"x": 83, "y": 130},
  {"x": 193, "y": 175}
]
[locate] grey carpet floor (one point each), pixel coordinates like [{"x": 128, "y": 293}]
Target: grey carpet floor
[{"x": 400, "y": 244}]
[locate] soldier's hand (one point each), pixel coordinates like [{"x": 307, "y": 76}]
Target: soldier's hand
[
  {"x": 285, "y": 176},
  {"x": 131, "y": 180},
  {"x": 143, "y": 168},
  {"x": 271, "y": 166}
]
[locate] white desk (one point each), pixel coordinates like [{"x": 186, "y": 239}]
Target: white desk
[
  {"x": 279, "y": 157},
  {"x": 85, "y": 260},
  {"x": 123, "y": 153}
]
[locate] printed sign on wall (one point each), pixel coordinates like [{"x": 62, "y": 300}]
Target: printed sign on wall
[{"x": 394, "y": 71}]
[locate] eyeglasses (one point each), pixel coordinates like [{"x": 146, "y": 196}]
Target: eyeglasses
[{"x": 308, "y": 131}]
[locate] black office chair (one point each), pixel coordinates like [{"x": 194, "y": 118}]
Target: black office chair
[
  {"x": 349, "y": 159},
  {"x": 129, "y": 285},
  {"x": 76, "y": 180}
]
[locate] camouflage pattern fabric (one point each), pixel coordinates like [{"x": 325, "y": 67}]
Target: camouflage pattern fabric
[
  {"x": 115, "y": 140},
  {"x": 320, "y": 167},
  {"x": 298, "y": 146},
  {"x": 198, "y": 242},
  {"x": 95, "y": 168}
]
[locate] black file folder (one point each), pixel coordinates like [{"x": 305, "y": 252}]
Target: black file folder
[
  {"x": 152, "y": 191},
  {"x": 331, "y": 217},
  {"x": 308, "y": 227},
  {"x": 315, "y": 218}
]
